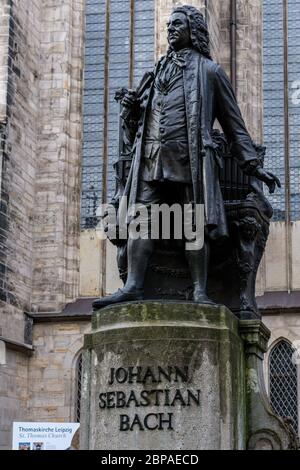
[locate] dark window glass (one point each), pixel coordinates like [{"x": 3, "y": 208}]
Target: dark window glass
[
  {"x": 274, "y": 111},
  {"x": 93, "y": 103},
  {"x": 294, "y": 108},
  {"x": 274, "y": 99},
  {"x": 78, "y": 387},
  {"x": 93, "y": 112},
  {"x": 283, "y": 382}
]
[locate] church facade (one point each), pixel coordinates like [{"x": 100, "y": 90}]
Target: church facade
[{"x": 61, "y": 64}]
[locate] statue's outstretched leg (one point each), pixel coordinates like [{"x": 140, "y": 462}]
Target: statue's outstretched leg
[
  {"x": 139, "y": 252},
  {"x": 198, "y": 261}
]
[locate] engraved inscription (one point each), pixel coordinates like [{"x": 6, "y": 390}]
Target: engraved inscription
[{"x": 158, "y": 396}]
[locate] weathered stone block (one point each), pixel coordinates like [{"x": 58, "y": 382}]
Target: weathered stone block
[
  {"x": 178, "y": 378},
  {"x": 175, "y": 375}
]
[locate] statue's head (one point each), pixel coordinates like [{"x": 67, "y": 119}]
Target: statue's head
[{"x": 187, "y": 28}]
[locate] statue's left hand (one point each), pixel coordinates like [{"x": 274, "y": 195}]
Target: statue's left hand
[{"x": 268, "y": 178}]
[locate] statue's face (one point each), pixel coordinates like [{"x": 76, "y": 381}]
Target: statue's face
[{"x": 178, "y": 31}]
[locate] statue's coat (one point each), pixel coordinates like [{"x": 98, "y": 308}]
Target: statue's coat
[{"x": 209, "y": 96}]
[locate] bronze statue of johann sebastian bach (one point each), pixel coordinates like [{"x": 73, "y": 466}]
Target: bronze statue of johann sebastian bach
[{"x": 169, "y": 126}]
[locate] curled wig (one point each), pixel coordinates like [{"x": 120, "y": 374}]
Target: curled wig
[{"x": 198, "y": 29}]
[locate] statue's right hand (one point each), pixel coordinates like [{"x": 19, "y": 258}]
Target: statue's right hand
[{"x": 129, "y": 99}]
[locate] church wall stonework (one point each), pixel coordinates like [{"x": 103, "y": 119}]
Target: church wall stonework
[
  {"x": 41, "y": 173},
  {"x": 51, "y": 374},
  {"x": 4, "y": 38},
  {"x": 249, "y": 59},
  {"x": 13, "y": 394},
  {"x": 40, "y": 132},
  {"x": 56, "y": 230},
  {"x": 41, "y": 387},
  {"x": 19, "y": 164},
  {"x": 41, "y": 138},
  {"x": 19, "y": 45}
]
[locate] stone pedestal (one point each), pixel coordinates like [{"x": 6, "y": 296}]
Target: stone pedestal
[
  {"x": 172, "y": 376},
  {"x": 265, "y": 430}
]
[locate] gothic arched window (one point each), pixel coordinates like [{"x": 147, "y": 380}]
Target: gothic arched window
[
  {"x": 283, "y": 382},
  {"x": 78, "y": 378},
  {"x": 119, "y": 49},
  {"x": 281, "y": 66}
]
